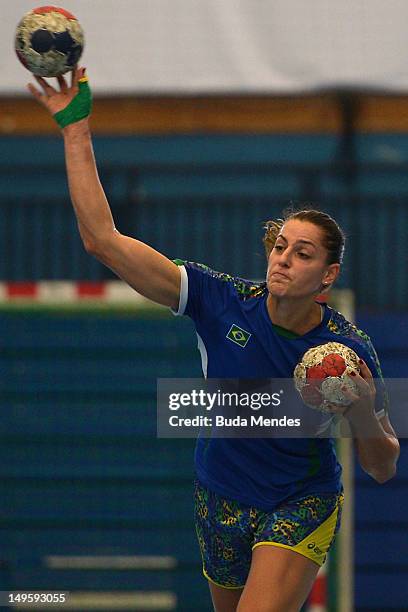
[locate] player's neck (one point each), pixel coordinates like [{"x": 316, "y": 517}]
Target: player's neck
[{"x": 297, "y": 316}]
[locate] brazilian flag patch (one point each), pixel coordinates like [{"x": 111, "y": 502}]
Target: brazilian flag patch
[{"x": 238, "y": 335}]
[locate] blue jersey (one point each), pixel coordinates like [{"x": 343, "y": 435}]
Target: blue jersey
[{"x": 261, "y": 472}]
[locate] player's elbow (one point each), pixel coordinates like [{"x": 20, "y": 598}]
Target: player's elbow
[
  {"x": 96, "y": 248},
  {"x": 89, "y": 242},
  {"x": 100, "y": 246},
  {"x": 383, "y": 465},
  {"x": 91, "y": 247},
  {"x": 100, "y": 251},
  {"x": 382, "y": 474}
]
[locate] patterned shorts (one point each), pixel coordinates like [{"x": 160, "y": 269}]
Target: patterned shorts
[{"x": 227, "y": 531}]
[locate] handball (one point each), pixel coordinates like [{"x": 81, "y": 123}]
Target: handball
[
  {"x": 321, "y": 374},
  {"x": 49, "y": 41}
]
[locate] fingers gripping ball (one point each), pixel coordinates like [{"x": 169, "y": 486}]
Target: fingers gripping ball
[
  {"x": 322, "y": 375},
  {"x": 79, "y": 107}
]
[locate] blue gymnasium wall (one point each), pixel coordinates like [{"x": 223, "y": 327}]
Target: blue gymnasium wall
[
  {"x": 190, "y": 195},
  {"x": 381, "y": 525},
  {"x": 82, "y": 472}
]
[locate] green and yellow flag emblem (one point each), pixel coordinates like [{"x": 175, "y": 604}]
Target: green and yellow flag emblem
[{"x": 238, "y": 335}]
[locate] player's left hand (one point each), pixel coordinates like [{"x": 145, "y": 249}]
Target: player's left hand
[{"x": 361, "y": 401}]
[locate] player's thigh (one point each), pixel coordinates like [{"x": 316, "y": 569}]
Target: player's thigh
[
  {"x": 279, "y": 580},
  {"x": 224, "y": 600},
  {"x": 224, "y": 536}
]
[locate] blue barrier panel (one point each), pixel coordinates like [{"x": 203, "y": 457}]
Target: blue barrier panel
[
  {"x": 82, "y": 472},
  {"x": 381, "y": 542}
]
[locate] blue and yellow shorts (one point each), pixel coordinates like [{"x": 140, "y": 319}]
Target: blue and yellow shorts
[{"x": 228, "y": 531}]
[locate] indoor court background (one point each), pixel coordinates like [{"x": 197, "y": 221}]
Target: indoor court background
[{"x": 209, "y": 118}]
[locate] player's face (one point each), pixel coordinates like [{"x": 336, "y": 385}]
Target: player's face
[{"x": 297, "y": 265}]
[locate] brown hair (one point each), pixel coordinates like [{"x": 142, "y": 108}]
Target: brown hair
[{"x": 333, "y": 236}]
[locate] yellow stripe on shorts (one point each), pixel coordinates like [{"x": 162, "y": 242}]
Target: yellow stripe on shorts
[{"x": 316, "y": 545}]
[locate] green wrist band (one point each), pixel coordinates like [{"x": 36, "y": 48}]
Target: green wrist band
[{"x": 79, "y": 107}]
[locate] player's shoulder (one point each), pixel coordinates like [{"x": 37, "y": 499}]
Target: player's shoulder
[
  {"x": 348, "y": 333},
  {"x": 243, "y": 288}
]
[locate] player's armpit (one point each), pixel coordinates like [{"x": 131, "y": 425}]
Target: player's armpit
[{"x": 146, "y": 270}]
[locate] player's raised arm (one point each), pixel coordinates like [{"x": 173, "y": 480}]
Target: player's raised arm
[{"x": 146, "y": 270}]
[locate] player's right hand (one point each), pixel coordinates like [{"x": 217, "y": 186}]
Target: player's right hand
[{"x": 55, "y": 100}]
